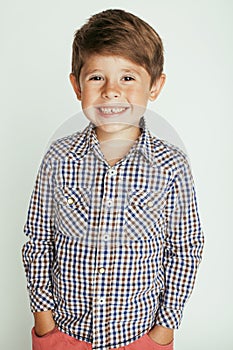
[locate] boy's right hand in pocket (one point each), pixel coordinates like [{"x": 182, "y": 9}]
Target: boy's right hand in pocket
[{"x": 44, "y": 322}]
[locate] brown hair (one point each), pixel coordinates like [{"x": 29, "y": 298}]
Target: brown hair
[{"x": 120, "y": 33}]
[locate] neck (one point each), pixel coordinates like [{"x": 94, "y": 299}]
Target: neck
[{"x": 131, "y": 135}]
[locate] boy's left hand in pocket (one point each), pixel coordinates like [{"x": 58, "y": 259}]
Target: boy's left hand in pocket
[{"x": 161, "y": 335}]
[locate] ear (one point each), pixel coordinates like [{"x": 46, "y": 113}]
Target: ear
[
  {"x": 76, "y": 86},
  {"x": 157, "y": 87}
]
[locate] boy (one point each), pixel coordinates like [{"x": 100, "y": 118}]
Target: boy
[{"x": 114, "y": 232}]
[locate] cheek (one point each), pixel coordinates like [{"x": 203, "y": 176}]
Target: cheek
[
  {"x": 87, "y": 97},
  {"x": 139, "y": 96}
]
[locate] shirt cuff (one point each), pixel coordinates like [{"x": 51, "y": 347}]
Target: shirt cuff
[
  {"x": 169, "y": 318},
  {"x": 41, "y": 300}
]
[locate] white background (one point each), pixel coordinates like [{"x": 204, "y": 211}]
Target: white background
[{"x": 36, "y": 98}]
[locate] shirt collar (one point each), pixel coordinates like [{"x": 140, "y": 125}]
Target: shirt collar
[{"x": 87, "y": 140}]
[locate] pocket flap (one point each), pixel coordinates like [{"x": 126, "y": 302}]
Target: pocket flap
[
  {"x": 72, "y": 197},
  {"x": 148, "y": 200}
]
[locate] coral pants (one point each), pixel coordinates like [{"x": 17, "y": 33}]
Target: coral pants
[{"x": 56, "y": 340}]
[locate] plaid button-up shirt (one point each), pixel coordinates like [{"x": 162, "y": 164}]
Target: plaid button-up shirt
[{"x": 112, "y": 250}]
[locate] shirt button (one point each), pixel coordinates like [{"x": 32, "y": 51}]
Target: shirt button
[
  {"x": 70, "y": 200},
  {"x": 150, "y": 204},
  {"x": 109, "y": 203},
  {"x": 101, "y": 270},
  {"x": 101, "y": 300},
  {"x": 112, "y": 172},
  {"x": 106, "y": 237}
]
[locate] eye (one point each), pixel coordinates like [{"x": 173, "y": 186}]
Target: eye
[
  {"x": 96, "y": 77},
  {"x": 128, "y": 78}
]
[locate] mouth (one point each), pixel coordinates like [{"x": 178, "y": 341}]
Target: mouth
[{"x": 111, "y": 111}]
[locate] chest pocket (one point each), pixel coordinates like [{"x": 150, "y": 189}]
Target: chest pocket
[
  {"x": 72, "y": 210},
  {"x": 143, "y": 214}
]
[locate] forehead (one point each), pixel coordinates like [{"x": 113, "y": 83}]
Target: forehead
[{"x": 111, "y": 63}]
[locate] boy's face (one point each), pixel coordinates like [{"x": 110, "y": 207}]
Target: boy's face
[{"x": 114, "y": 93}]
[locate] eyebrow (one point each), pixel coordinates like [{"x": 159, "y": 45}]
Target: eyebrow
[
  {"x": 125, "y": 70},
  {"x": 93, "y": 71},
  {"x": 130, "y": 70}
]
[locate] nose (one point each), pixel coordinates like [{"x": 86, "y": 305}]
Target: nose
[{"x": 111, "y": 90}]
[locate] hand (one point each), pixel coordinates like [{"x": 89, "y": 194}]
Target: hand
[
  {"x": 44, "y": 322},
  {"x": 161, "y": 335}
]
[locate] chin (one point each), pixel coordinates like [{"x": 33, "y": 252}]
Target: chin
[{"x": 113, "y": 127}]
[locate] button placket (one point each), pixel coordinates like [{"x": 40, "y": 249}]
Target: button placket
[{"x": 100, "y": 288}]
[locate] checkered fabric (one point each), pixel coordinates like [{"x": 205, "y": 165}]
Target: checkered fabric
[{"x": 112, "y": 250}]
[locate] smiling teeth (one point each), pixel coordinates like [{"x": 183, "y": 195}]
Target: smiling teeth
[{"x": 112, "y": 110}]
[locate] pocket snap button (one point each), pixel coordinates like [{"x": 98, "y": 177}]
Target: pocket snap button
[
  {"x": 70, "y": 200},
  {"x": 150, "y": 204}
]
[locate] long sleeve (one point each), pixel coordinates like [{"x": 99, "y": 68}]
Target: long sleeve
[
  {"x": 38, "y": 251},
  {"x": 183, "y": 248}
]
